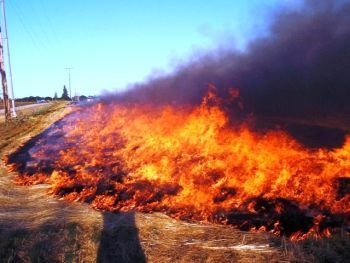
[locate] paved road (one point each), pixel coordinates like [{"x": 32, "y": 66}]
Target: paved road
[{"x": 26, "y": 107}]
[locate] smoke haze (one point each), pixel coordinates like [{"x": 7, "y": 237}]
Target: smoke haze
[{"x": 302, "y": 67}]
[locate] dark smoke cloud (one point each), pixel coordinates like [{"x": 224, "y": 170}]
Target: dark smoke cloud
[{"x": 302, "y": 67}]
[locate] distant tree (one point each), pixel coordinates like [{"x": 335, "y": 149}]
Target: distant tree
[
  {"x": 65, "y": 94},
  {"x": 33, "y": 99},
  {"x": 82, "y": 98},
  {"x": 55, "y": 97}
]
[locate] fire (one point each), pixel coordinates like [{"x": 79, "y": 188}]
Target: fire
[{"x": 192, "y": 164}]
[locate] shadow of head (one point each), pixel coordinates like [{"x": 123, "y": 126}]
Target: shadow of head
[{"x": 120, "y": 239}]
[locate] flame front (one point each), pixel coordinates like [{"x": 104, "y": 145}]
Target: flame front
[{"x": 192, "y": 164}]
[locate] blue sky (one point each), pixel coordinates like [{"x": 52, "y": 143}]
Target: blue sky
[{"x": 111, "y": 43}]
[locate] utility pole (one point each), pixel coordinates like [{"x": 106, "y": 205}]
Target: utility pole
[
  {"x": 8, "y": 58},
  {"x": 7, "y": 106},
  {"x": 69, "y": 83}
]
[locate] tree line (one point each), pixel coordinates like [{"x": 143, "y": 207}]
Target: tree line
[{"x": 64, "y": 96}]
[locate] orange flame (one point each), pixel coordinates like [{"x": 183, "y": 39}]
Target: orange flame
[{"x": 191, "y": 164}]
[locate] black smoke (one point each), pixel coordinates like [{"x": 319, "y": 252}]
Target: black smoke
[{"x": 301, "y": 67}]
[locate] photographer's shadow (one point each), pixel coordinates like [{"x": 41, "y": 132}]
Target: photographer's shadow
[{"x": 120, "y": 239}]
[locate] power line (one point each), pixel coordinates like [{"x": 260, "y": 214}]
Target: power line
[
  {"x": 38, "y": 21},
  {"x": 33, "y": 22},
  {"x": 39, "y": 35},
  {"x": 19, "y": 14},
  {"x": 57, "y": 41},
  {"x": 48, "y": 19}
]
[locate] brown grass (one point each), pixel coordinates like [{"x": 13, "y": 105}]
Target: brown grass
[
  {"x": 33, "y": 226},
  {"x": 29, "y": 122},
  {"x": 335, "y": 248}
]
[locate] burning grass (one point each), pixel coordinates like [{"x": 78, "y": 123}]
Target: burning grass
[
  {"x": 34, "y": 226},
  {"x": 191, "y": 164}
]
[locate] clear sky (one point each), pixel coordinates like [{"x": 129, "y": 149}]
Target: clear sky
[{"x": 111, "y": 43}]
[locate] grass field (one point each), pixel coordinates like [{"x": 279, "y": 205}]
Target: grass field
[{"x": 35, "y": 227}]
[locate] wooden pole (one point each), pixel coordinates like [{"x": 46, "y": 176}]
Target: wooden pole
[
  {"x": 4, "y": 82},
  {"x": 8, "y": 58}
]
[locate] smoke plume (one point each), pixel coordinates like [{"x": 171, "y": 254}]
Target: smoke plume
[{"x": 301, "y": 67}]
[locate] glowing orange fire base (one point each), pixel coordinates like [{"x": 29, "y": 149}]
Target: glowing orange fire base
[{"x": 191, "y": 164}]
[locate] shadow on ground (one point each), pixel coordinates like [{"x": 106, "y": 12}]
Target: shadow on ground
[
  {"x": 120, "y": 239},
  {"x": 35, "y": 227}
]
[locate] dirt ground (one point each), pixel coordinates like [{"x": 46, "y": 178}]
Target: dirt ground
[{"x": 36, "y": 227}]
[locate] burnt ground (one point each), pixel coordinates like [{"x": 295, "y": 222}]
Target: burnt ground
[{"x": 36, "y": 227}]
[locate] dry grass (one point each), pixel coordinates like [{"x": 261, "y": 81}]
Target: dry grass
[
  {"x": 35, "y": 227},
  {"x": 168, "y": 240},
  {"x": 335, "y": 248},
  {"x": 28, "y": 123}
]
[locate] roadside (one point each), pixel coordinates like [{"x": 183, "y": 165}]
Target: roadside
[
  {"x": 29, "y": 109},
  {"x": 18, "y": 103},
  {"x": 26, "y": 106}
]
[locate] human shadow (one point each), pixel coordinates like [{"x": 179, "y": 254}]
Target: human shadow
[{"x": 119, "y": 240}]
